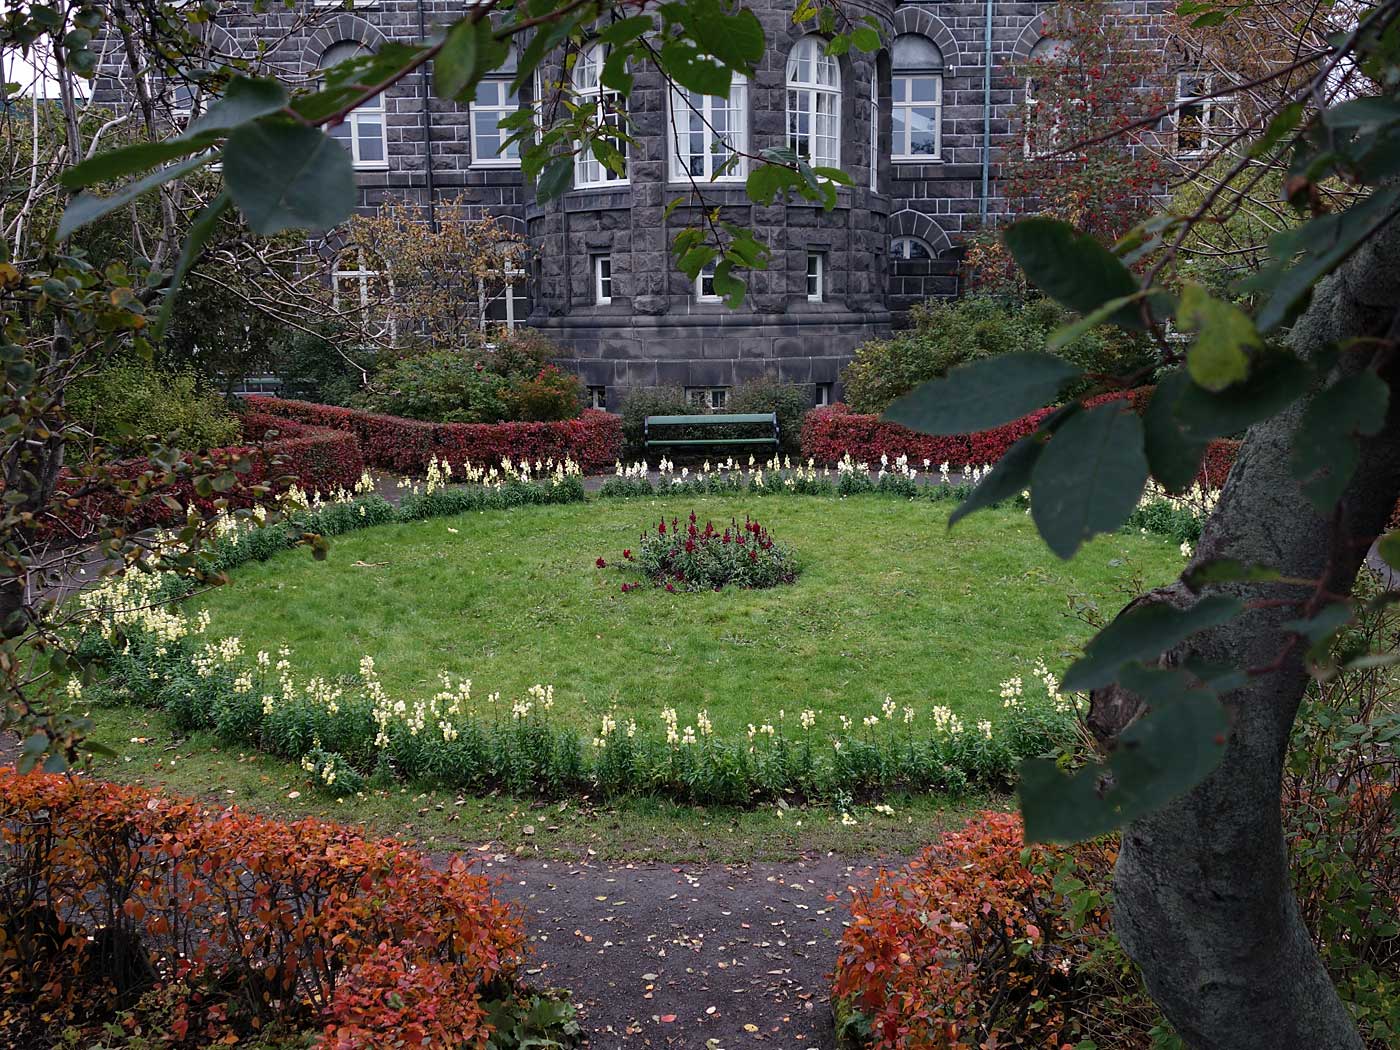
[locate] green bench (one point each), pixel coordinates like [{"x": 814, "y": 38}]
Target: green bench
[{"x": 768, "y": 421}]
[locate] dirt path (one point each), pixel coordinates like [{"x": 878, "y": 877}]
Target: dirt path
[{"x": 702, "y": 957}]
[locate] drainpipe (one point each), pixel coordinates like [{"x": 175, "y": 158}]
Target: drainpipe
[
  {"x": 428, "y": 123},
  {"x": 986, "y": 113}
]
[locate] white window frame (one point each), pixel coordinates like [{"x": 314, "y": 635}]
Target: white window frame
[
  {"x": 816, "y": 277},
  {"x": 906, "y": 254},
  {"x": 718, "y": 146},
  {"x": 813, "y": 101},
  {"x": 597, "y": 397},
  {"x": 712, "y": 398},
  {"x": 360, "y": 276},
  {"x": 589, "y": 171},
  {"x": 901, "y": 150},
  {"x": 1212, "y": 133},
  {"x": 361, "y": 117},
  {"x": 824, "y": 394},
  {"x": 602, "y": 280},
  {"x": 706, "y": 277},
  {"x": 511, "y": 293},
  {"x": 510, "y": 105}
]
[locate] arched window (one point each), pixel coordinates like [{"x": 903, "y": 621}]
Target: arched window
[
  {"x": 494, "y": 102},
  {"x": 362, "y": 131},
  {"x": 611, "y": 112},
  {"x": 916, "y": 113},
  {"x": 359, "y": 288},
  {"x": 909, "y": 248},
  {"x": 708, "y": 134},
  {"x": 814, "y": 103},
  {"x": 1044, "y": 120}
]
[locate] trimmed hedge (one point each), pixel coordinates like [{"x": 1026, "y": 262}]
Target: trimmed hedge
[
  {"x": 318, "y": 459},
  {"x": 835, "y": 431},
  {"x": 220, "y": 923},
  {"x": 405, "y": 446}
]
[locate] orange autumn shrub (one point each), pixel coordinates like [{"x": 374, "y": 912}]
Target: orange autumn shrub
[
  {"x": 980, "y": 942},
  {"x": 112, "y": 895}
]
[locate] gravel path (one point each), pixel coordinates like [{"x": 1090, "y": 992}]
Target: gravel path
[{"x": 709, "y": 957}]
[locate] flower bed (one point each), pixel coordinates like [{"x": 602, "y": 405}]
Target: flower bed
[
  {"x": 212, "y": 924},
  {"x": 406, "y": 446},
  {"x": 980, "y": 942},
  {"x": 694, "y": 559}
]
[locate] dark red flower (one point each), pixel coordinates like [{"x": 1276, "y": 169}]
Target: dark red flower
[
  {"x": 601, "y": 563},
  {"x": 661, "y": 529},
  {"x": 626, "y": 587},
  {"x": 627, "y": 554},
  {"x": 753, "y": 555},
  {"x": 671, "y": 588}
]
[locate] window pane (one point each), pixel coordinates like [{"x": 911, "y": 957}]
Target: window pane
[
  {"x": 923, "y": 89},
  {"x": 371, "y": 140},
  {"x": 923, "y": 139}
]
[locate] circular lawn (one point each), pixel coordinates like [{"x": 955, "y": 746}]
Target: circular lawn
[{"x": 888, "y": 602}]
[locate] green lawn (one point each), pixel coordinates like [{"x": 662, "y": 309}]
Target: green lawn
[{"x": 888, "y": 602}]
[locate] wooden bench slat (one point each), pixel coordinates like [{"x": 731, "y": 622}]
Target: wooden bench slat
[{"x": 711, "y": 420}]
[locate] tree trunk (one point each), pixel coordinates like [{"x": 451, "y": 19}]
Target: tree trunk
[{"x": 1203, "y": 898}]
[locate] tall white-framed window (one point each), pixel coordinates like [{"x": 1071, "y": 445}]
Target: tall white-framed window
[
  {"x": 909, "y": 248},
  {"x": 1203, "y": 120},
  {"x": 824, "y": 392},
  {"x": 709, "y": 133},
  {"x": 598, "y": 398},
  {"x": 494, "y": 102},
  {"x": 705, "y": 286},
  {"x": 611, "y": 112},
  {"x": 362, "y": 130},
  {"x": 602, "y": 279},
  {"x": 504, "y": 303},
  {"x": 916, "y": 110},
  {"x": 874, "y": 129},
  {"x": 814, "y": 103},
  {"x": 360, "y": 288},
  {"x": 816, "y": 277},
  {"x": 1044, "y": 118}
]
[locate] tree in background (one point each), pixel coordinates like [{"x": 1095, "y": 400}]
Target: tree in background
[{"x": 1083, "y": 148}]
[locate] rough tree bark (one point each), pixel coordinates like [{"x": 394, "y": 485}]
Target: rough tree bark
[{"x": 1204, "y": 902}]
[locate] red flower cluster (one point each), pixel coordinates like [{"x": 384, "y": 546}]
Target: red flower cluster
[
  {"x": 682, "y": 553},
  {"x": 240, "y": 921},
  {"x": 593, "y": 441}
]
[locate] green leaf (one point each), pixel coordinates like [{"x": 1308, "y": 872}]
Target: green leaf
[
  {"x": 128, "y": 160},
  {"x": 625, "y": 30},
  {"x": 288, "y": 176},
  {"x": 1144, "y": 632},
  {"x": 864, "y": 38},
  {"x": 1159, "y": 757},
  {"x": 735, "y": 39},
  {"x": 1072, "y": 268},
  {"x": 691, "y": 68},
  {"x": 557, "y": 178},
  {"x": 1229, "y": 570},
  {"x": 1011, "y": 475},
  {"x": 243, "y": 100},
  {"x": 1304, "y": 255},
  {"x": 1389, "y": 549},
  {"x": 1320, "y": 628},
  {"x": 1089, "y": 478},
  {"x": 1075, "y": 330},
  {"x": 983, "y": 394},
  {"x": 469, "y": 52},
  {"x": 1218, "y": 358},
  {"x": 1325, "y": 450},
  {"x": 201, "y": 230},
  {"x": 87, "y": 208},
  {"x": 1174, "y": 456},
  {"x": 1275, "y": 381}
]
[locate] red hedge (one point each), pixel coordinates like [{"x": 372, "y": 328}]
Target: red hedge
[
  {"x": 318, "y": 459},
  {"x": 238, "y": 921},
  {"x": 832, "y": 432},
  {"x": 593, "y": 441}
]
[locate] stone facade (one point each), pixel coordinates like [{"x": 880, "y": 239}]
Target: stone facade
[{"x": 655, "y": 329}]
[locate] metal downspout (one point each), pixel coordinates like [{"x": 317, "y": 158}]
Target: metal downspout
[
  {"x": 986, "y": 114},
  {"x": 427, "y": 123}
]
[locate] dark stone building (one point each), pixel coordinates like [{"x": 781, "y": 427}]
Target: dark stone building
[{"x": 918, "y": 127}]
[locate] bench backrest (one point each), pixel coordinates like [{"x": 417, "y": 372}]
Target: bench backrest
[{"x": 770, "y": 418}]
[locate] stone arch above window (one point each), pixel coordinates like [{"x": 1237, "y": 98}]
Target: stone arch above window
[
  {"x": 911, "y": 223},
  {"x": 919, "y": 22},
  {"x": 343, "y": 28},
  {"x": 1031, "y": 34}
]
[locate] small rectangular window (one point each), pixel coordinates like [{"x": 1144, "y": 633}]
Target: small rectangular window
[
  {"x": 823, "y": 394},
  {"x": 711, "y": 398},
  {"x": 598, "y": 397},
  {"x": 602, "y": 279},
  {"x": 816, "y": 276},
  {"x": 705, "y": 285}
]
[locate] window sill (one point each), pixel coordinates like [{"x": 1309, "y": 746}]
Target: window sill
[
  {"x": 619, "y": 185},
  {"x": 496, "y": 165},
  {"x": 916, "y": 160},
  {"x": 377, "y": 165}
]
